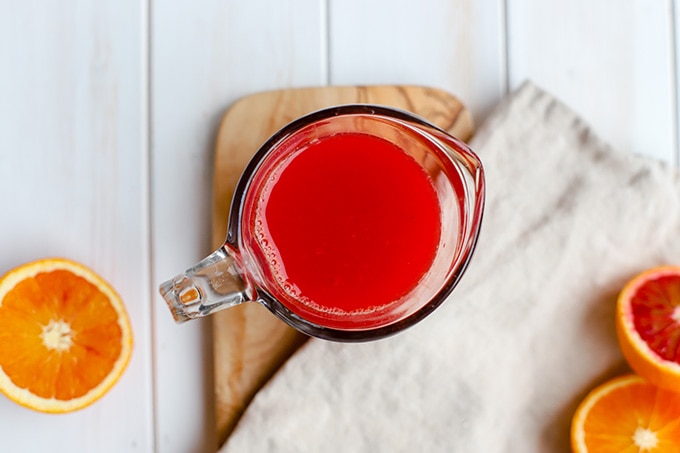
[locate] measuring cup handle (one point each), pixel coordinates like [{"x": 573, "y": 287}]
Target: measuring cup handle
[{"x": 215, "y": 283}]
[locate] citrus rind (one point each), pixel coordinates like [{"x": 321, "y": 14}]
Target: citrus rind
[{"x": 578, "y": 433}]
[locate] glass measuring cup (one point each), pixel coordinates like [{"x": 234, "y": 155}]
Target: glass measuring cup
[{"x": 350, "y": 224}]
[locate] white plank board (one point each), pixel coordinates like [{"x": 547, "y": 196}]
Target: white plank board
[
  {"x": 204, "y": 56},
  {"x": 454, "y": 45},
  {"x": 74, "y": 138},
  {"x": 609, "y": 60},
  {"x": 73, "y": 182}
]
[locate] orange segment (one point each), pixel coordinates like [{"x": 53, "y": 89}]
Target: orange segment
[
  {"x": 65, "y": 336},
  {"x": 627, "y": 414},
  {"x": 648, "y": 325}
]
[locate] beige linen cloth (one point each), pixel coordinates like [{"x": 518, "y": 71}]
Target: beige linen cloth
[{"x": 502, "y": 365}]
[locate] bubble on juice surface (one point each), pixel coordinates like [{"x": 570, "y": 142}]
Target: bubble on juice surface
[
  {"x": 338, "y": 312},
  {"x": 263, "y": 239}
]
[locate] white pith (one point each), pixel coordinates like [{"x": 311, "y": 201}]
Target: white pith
[
  {"x": 644, "y": 438},
  {"x": 675, "y": 316},
  {"x": 57, "y": 336}
]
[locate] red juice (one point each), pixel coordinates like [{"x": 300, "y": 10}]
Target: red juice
[{"x": 347, "y": 225}]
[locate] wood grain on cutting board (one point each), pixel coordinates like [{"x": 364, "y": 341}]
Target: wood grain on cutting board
[{"x": 250, "y": 344}]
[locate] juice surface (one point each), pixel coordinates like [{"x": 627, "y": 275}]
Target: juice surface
[{"x": 348, "y": 224}]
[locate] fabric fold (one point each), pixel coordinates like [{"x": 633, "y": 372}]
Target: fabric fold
[{"x": 501, "y": 366}]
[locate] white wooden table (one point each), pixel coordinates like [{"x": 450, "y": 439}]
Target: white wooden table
[{"x": 108, "y": 113}]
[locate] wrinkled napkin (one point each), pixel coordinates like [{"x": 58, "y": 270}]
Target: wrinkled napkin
[{"x": 502, "y": 364}]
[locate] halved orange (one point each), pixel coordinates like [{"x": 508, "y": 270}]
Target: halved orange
[
  {"x": 627, "y": 414},
  {"x": 65, "y": 336},
  {"x": 648, "y": 325}
]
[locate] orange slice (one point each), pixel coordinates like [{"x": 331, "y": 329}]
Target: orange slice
[
  {"x": 648, "y": 325},
  {"x": 65, "y": 336},
  {"x": 627, "y": 414}
]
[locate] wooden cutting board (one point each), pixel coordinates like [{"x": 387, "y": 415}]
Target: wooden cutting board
[{"x": 250, "y": 344}]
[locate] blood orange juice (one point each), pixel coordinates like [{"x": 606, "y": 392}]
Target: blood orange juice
[
  {"x": 351, "y": 223},
  {"x": 345, "y": 226}
]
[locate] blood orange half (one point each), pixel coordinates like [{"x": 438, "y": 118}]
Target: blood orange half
[{"x": 648, "y": 325}]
